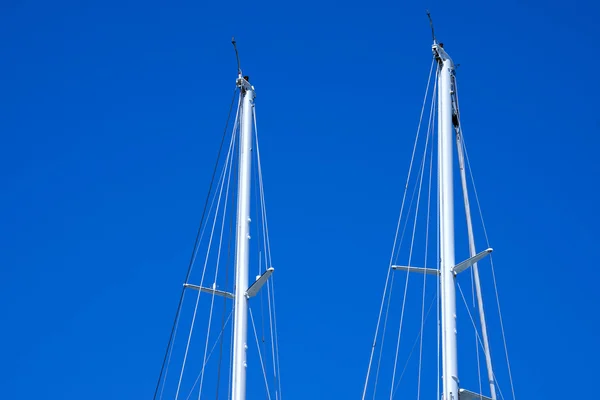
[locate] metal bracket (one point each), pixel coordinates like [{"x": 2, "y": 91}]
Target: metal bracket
[
  {"x": 213, "y": 290},
  {"x": 429, "y": 271},
  {"x": 251, "y": 292},
  {"x": 467, "y": 263},
  {"x": 243, "y": 83},
  {"x": 464, "y": 394},
  {"x": 255, "y": 287}
]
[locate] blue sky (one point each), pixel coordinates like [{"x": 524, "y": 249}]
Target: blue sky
[{"x": 111, "y": 114}]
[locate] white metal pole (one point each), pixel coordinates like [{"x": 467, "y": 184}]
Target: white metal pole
[
  {"x": 240, "y": 333},
  {"x": 472, "y": 251},
  {"x": 446, "y": 210}
]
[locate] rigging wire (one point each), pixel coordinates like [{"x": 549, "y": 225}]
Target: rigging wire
[
  {"x": 263, "y": 257},
  {"x": 268, "y": 263},
  {"x": 422, "y": 173},
  {"x": 218, "y": 263},
  {"x": 425, "y": 265},
  {"x": 259, "y": 231},
  {"x": 276, "y": 336},
  {"x": 387, "y": 279},
  {"x": 438, "y": 289},
  {"x": 222, "y": 184},
  {"x": 193, "y": 260},
  {"x": 196, "y": 243},
  {"x": 262, "y": 364},
  {"x": 477, "y": 332},
  {"x": 227, "y": 265},
  {"x": 414, "y": 346},
  {"x": 438, "y": 306},
  {"x": 209, "y": 354},
  {"x": 422, "y": 165},
  {"x": 493, "y": 272},
  {"x": 459, "y": 143},
  {"x": 491, "y": 260},
  {"x": 385, "y": 320},
  {"x": 230, "y": 386},
  {"x": 397, "y": 252}
]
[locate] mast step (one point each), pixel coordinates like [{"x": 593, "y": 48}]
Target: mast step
[{"x": 464, "y": 394}]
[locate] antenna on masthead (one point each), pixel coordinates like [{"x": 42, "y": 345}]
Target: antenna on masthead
[
  {"x": 431, "y": 25},
  {"x": 237, "y": 56}
]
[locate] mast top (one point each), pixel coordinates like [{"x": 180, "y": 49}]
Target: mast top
[
  {"x": 440, "y": 54},
  {"x": 438, "y": 48},
  {"x": 243, "y": 82}
]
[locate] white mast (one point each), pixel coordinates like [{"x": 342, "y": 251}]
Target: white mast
[
  {"x": 240, "y": 327},
  {"x": 242, "y": 292},
  {"x": 446, "y": 210},
  {"x": 448, "y": 270}
]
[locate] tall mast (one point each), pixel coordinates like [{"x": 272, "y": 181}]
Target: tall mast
[
  {"x": 446, "y": 212},
  {"x": 240, "y": 327}
]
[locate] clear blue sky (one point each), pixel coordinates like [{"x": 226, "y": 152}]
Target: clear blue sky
[{"x": 111, "y": 114}]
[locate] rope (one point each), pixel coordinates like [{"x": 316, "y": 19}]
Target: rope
[
  {"x": 191, "y": 263},
  {"x": 396, "y": 238}
]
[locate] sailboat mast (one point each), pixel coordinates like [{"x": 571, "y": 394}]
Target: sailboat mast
[
  {"x": 446, "y": 212},
  {"x": 240, "y": 327}
]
